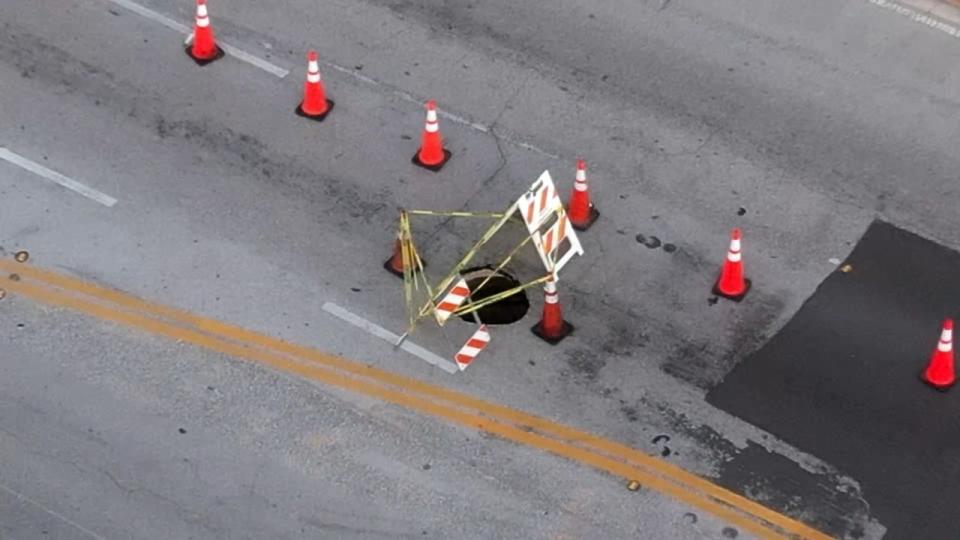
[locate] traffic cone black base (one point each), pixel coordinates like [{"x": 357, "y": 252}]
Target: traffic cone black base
[
  {"x": 318, "y": 117},
  {"x": 594, "y": 214},
  {"x": 204, "y": 61},
  {"x": 942, "y": 389},
  {"x": 389, "y": 267},
  {"x": 435, "y": 168},
  {"x": 553, "y": 340},
  {"x": 737, "y": 298}
]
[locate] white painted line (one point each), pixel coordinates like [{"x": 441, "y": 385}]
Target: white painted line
[
  {"x": 239, "y": 54},
  {"x": 441, "y": 113},
  {"x": 281, "y": 73},
  {"x": 431, "y": 358},
  {"x": 254, "y": 61},
  {"x": 921, "y": 18},
  {"x": 152, "y": 15},
  {"x": 53, "y": 513},
  {"x": 360, "y": 322},
  {"x": 386, "y": 335},
  {"x": 56, "y": 177}
]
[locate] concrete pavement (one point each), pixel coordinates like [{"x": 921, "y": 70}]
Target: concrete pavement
[
  {"x": 120, "y": 435},
  {"x": 811, "y": 123}
]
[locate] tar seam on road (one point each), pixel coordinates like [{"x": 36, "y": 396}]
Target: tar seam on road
[
  {"x": 281, "y": 73},
  {"x": 462, "y": 409},
  {"x": 386, "y": 335},
  {"x": 56, "y": 177},
  {"x": 239, "y": 54},
  {"x": 916, "y": 16},
  {"x": 53, "y": 513}
]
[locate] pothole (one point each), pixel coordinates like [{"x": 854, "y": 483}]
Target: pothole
[{"x": 508, "y": 310}]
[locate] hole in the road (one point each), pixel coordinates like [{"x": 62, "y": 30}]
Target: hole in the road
[{"x": 505, "y": 311}]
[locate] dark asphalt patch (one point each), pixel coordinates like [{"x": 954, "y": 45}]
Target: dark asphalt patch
[
  {"x": 840, "y": 381},
  {"x": 815, "y": 498}
]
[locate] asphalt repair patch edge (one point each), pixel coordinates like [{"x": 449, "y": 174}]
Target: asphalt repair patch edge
[{"x": 840, "y": 381}]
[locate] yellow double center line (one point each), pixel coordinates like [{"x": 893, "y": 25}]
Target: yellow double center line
[{"x": 63, "y": 291}]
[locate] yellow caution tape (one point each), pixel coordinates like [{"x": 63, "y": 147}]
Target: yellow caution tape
[
  {"x": 415, "y": 279},
  {"x": 455, "y": 214}
]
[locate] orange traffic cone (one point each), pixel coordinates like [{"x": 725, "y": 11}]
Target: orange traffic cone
[
  {"x": 940, "y": 373},
  {"x": 552, "y": 328},
  {"x": 582, "y": 214},
  {"x": 394, "y": 264},
  {"x": 204, "y": 47},
  {"x": 731, "y": 283},
  {"x": 315, "y": 104},
  {"x": 432, "y": 155}
]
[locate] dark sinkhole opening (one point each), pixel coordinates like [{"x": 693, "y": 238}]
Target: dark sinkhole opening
[{"x": 505, "y": 311}]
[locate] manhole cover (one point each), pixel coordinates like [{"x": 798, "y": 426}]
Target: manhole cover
[{"x": 508, "y": 310}]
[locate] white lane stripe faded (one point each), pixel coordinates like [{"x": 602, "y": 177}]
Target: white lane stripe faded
[
  {"x": 56, "y": 177},
  {"x": 244, "y": 56},
  {"x": 152, "y": 15},
  {"x": 281, "y": 73},
  {"x": 61, "y": 517},
  {"x": 916, "y": 16},
  {"x": 239, "y": 54},
  {"x": 396, "y": 92},
  {"x": 386, "y": 335}
]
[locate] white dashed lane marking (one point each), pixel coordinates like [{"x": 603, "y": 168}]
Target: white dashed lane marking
[
  {"x": 386, "y": 335},
  {"x": 54, "y": 176},
  {"x": 239, "y": 54}
]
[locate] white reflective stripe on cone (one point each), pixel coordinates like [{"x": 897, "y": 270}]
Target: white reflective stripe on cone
[
  {"x": 945, "y": 344},
  {"x": 202, "y": 20},
  {"x": 733, "y": 255},
  {"x": 550, "y": 293}
]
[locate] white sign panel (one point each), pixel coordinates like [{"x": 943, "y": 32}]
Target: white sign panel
[{"x": 554, "y": 237}]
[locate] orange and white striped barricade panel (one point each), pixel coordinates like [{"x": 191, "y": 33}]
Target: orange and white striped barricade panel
[
  {"x": 556, "y": 241},
  {"x": 539, "y": 203},
  {"x": 451, "y": 301},
  {"x": 558, "y": 244},
  {"x": 477, "y": 342}
]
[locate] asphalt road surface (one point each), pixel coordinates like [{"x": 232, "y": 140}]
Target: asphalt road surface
[{"x": 198, "y": 188}]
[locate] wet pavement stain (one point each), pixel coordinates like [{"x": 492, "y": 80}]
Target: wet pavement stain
[
  {"x": 622, "y": 340},
  {"x": 585, "y": 363},
  {"x": 654, "y": 242},
  {"x": 629, "y": 412},
  {"x": 665, "y": 450}
]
